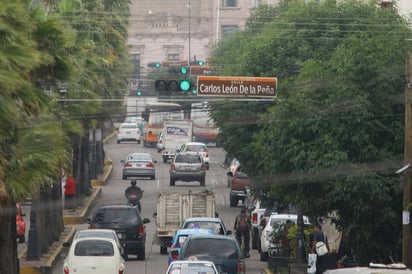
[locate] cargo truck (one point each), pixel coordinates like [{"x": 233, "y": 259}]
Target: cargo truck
[
  {"x": 174, "y": 207},
  {"x": 174, "y": 134}
]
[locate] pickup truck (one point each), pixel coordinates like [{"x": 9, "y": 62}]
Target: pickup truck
[
  {"x": 239, "y": 184},
  {"x": 256, "y": 215}
]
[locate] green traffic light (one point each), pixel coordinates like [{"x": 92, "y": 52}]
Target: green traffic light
[
  {"x": 183, "y": 70},
  {"x": 194, "y": 91},
  {"x": 157, "y": 65},
  {"x": 200, "y": 63},
  {"x": 184, "y": 85},
  {"x": 138, "y": 93}
]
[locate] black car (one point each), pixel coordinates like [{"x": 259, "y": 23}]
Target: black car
[
  {"x": 127, "y": 223},
  {"x": 223, "y": 251}
]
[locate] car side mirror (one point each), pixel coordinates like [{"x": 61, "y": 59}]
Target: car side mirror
[
  {"x": 146, "y": 220},
  {"x": 230, "y": 173},
  {"x": 216, "y": 215},
  {"x": 122, "y": 161},
  {"x": 155, "y": 161},
  {"x": 66, "y": 244},
  {"x": 229, "y": 232}
]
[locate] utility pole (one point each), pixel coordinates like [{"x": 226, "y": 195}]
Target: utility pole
[{"x": 406, "y": 243}]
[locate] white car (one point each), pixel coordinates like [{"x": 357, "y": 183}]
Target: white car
[
  {"x": 94, "y": 255},
  {"x": 99, "y": 233},
  {"x": 128, "y": 132},
  {"x": 191, "y": 266},
  {"x": 274, "y": 221},
  {"x": 197, "y": 148}
]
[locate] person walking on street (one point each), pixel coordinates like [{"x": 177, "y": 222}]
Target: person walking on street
[
  {"x": 316, "y": 237},
  {"x": 69, "y": 192},
  {"x": 243, "y": 226}
]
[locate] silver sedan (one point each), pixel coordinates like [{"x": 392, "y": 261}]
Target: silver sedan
[{"x": 138, "y": 165}]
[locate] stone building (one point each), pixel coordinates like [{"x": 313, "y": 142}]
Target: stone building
[{"x": 182, "y": 30}]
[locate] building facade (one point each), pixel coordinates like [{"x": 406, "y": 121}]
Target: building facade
[
  {"x": 186, "y": 31},
  {"x": 182, "y": 30}
]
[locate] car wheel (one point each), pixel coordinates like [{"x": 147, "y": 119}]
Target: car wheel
[
  {"x": 118, "y": 141},
  {"x": 202, "y": 181},
  {"x": 141, "y": 255},
  {"x": 152, "y": 177},
  {"x": 163, "y": 250},
  {"x": 233, "y": 201},
  {"x": 164, "y": 160},
  {"x": 172, "y": 182},
  {"x": 264, "y": 256}
]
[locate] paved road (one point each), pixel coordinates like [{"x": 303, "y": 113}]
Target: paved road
[{"x": 113, "y": 191}]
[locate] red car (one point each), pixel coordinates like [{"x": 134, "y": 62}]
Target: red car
[{"x": 20, "y": 225}]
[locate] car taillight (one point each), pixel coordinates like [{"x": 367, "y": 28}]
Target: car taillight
[
  {"x": 66, "y": 269},
  {"x": 254, "y": 217},
  {"x": 149, "y": 165},
  {"x": 240, "y": 267},
  {"x": 140, "y": 230},
  {"x": 127, "y": 164},
  {"x": 173, "y": 167},
  {"x": 121, "y": 269}
]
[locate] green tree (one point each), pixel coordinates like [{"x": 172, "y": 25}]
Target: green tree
[
  {"x": 26, "y": 135},
  {"x": 333, "y": 138}
]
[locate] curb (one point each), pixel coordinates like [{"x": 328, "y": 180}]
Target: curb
[
  {"x": 48, "y": 268},
  {"x": 81, "y": 218}
]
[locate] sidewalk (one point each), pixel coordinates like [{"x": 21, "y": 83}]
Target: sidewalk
[{"x": 45, "y": 263}]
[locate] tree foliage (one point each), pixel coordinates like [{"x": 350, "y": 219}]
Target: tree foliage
[
  {"x": 81, "y": 44},
  {"x": 333, "y": 138}
]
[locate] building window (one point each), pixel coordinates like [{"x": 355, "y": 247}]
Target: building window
[
  {"x": 230, "y": 3},
  {"x": 228, "y": 30},
  {"x": 256, "y": 3},
  {"x": 173, "y": 57}
]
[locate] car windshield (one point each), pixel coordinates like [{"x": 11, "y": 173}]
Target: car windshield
[
  {"x": 139, "y": 157},
  {"x": 94, "y": 248},
  {"x": 128, "y": 126},
  {"x": 94, "y": 233},
  {"x": 187, "y": 158},
  {"x": 213, "y": 226},
  {"x": 116, "y": 216},
  {"x": 197, "y": 148},
  {"x": 276, "y": 221},
  {"x": 216, "y": 248},
  {"x": 191, "y": 268}
]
